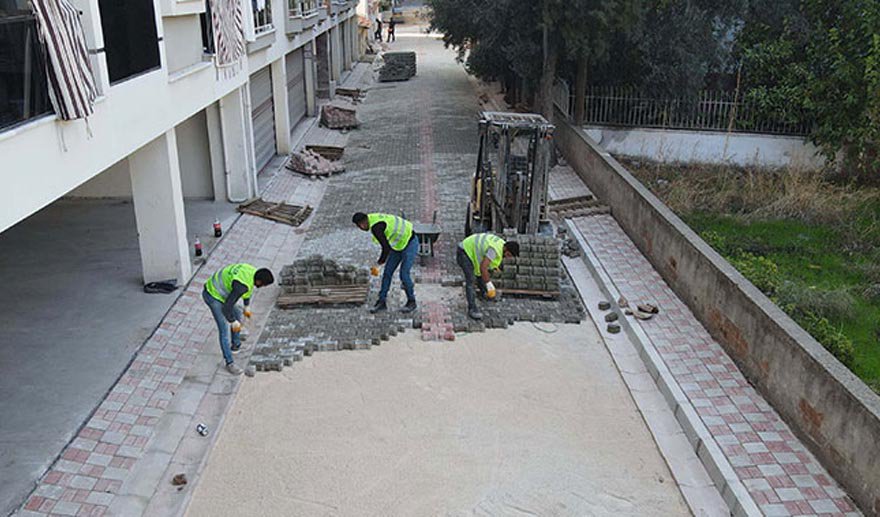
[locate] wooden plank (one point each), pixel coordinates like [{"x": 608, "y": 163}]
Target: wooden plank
[{"x": 528, "y": 292}]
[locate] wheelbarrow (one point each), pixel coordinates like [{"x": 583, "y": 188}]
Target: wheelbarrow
[{"x": 427, "y": 234}]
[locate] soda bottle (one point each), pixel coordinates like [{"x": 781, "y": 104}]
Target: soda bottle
[
  {"x": 218, "y": 231},
  {"x": 198, "y": 246}
]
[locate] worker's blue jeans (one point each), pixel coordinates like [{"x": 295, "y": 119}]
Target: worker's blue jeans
[
  {"x": 405, "y": 259},
  {"x": 216, "y": 307}
]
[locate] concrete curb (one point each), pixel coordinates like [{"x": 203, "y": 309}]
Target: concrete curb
[{"x": 721, "y": 472}]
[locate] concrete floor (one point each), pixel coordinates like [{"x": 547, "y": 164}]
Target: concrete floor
[
  {"x": 74, "y": 313},
  {"x": 533, "y": 420}
]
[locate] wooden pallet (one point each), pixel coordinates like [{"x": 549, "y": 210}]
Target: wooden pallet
[
  {"x": 529, "y": 292},
  {"x": 327, "y": 151},
  {"x": 325, "y": 295},
  {"x": 278, "y": 212},
  {"x": 354, "y": 93}
]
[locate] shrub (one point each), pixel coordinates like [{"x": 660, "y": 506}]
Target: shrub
[
  {"x": 829, "y": 336},
  {"x": 837, "y": 304},
  {"x": 716, "y": 240},
  {"x": 761, "y": 271}
]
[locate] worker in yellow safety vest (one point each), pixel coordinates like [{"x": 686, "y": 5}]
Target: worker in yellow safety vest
[
  {"x": 400, "y": 247},
  {"x": 477, "y": 256},
  {"x": 221, "y": 293}
]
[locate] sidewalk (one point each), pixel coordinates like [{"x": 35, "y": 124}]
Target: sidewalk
[{"x": 780, "y": 475}]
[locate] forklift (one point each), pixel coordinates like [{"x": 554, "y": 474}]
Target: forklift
[{"x": 509, "y": 190}]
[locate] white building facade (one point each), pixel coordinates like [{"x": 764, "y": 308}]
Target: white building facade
[{"x": 168, "y": 124}]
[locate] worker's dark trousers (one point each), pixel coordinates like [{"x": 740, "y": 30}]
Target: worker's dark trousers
[
  {"x": 467, "y": 269},
  {"x": 405, "y": 259}
]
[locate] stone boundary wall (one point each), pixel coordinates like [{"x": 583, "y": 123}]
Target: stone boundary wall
[{"x": 833, "y": 411}]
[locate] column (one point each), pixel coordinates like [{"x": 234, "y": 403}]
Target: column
[
  {"x": 158, "y": 207},
  {"x": 234, "y": 125},
  {"x": 282, "y": 109},
  {"x": 311, "y": 74},
  {"x": 215, "y": 143},
  {"x": 346, "y": 41},
  {"x": 335, "y": 54}
]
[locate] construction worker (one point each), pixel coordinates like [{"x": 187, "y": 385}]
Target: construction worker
[
  {"x": 400, "y": 247},
  {"x": 222, "y": 291},
  {"x": 477, "y": 256}
]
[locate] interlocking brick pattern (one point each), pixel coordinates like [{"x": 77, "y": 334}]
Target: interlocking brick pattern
[
  {"x": 781, "y": 475},
  {"x": 94, "y": 466}
]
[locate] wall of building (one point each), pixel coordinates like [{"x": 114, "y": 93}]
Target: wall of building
[
  {"x": 183, "y": 41},
  {"x": 114, "y": 182},
  {"x": 194, "y": 154},
  {"x": 132, "y": 113},
  {"x": 675, "y": 146},
  {"x": 834, "y": 412}
]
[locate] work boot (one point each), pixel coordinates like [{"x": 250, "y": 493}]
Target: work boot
[
  {"x": 238, "y": 349},
  {"x": 409, "y": 307},
  {"x": 475, "y": 314},
  {"x": 234, "y": 369},
  {"x": 380, "y": 306}
]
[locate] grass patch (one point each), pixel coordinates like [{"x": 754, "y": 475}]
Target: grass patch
[{"x": 811, "y": 245}]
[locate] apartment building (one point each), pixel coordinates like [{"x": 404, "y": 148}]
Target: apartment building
[{"x": 169, "y": 124}]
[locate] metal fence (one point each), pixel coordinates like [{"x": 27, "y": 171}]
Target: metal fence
[{"x": 708, "y": 111}]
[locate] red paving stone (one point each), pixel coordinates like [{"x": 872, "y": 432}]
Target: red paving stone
[{"x": 753, "y": 437}]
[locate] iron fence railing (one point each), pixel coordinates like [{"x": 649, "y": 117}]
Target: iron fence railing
[{"x": 707, "y": 111}]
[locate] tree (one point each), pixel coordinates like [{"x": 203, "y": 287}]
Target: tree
[
  {"x": 530, "y": 39},
  {"x": 822, "y": 65}
]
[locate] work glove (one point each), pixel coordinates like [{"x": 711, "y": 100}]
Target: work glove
[
  {"x": 490, "y": 290},
  {"x": 248, "y": 313},
  {"x": 374, "y": 270},
  {"x": 236, "y": 326}
]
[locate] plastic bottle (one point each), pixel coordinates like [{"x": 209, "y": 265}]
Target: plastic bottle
[
  {"x": 198, "y": 247},
  {"x": 218, "y": 230}
]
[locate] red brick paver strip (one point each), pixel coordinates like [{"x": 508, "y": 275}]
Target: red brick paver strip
[
  {"x": 92, "y": 468},
  {"x": 781, "y": 475}
]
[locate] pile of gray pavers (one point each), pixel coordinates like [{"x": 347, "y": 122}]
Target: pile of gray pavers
[
  {"x": 316, "y": 270},
  {"x": 536, "y": 270},
  {"x": 399, "y": 66}
]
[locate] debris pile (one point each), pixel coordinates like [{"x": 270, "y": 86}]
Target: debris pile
[
  {"x": 312, "y": 164},
  {"x": 569, "y": 246},
  {"x": 399, "y": 66},
  {"x": 337, "y": 117}
]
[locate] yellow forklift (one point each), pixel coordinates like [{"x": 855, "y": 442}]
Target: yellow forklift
[{"x": 509, "y": 190}]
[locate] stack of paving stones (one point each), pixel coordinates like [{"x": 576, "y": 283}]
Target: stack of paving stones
[
  {"x": 537, "y": 270},
  {"x": 399, "y": 66},
  {"x": 316, "y": 272}
]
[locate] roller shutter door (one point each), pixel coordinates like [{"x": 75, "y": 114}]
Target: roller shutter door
[
  {"x": 263, "y": 116},
  {"x": 296, "y": 87}
]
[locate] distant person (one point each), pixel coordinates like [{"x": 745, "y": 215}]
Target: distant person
[
  {"x": 378, "y": 34},
  {"x": 391, "y": 24},
  {"x": 400, "y": 247},
  {"x": 222, "y": 291},
  {"x": 477, "y": 255}
]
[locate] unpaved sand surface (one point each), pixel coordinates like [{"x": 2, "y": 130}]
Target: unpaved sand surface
[{"x": 514, "y": 422}]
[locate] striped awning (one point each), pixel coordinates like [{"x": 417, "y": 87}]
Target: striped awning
[{"x": 72, "y": 88}]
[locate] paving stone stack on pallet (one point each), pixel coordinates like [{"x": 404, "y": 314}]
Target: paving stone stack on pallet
[
  {"x": 537, "y": 270},
  {"x": 399, "y": 66}
]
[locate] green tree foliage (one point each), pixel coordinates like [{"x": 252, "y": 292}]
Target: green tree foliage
[
  {"x": 819, "y": 61},
  {"x": 499, "y": 37}
]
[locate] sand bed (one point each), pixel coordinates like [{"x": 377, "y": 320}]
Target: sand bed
[{"x": 513, "y": 422}]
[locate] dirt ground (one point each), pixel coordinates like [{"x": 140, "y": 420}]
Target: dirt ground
[{"x": 531, "y": 420}]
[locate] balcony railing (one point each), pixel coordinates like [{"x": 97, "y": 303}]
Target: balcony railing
[
  {"x": 302, "y": 7},
  {"x": 262, "y": 10}
]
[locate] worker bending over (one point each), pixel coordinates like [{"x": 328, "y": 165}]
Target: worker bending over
[
  {"x": 400, "y": 247},
  {"x": 222, "y": 291},
  {"x": 477, "y": 255}
]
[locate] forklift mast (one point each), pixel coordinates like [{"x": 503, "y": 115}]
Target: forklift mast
[{"x": 509, "y": 190}]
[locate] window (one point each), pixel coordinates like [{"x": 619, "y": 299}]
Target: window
[
  {"x": 262, "y": 16},
  {"x": 294, "y": 8},
  {"x": 130, "y": 39},
  {"x": 308, "y": 6},
  {"x": 24, "y": 89},
  {"x": 207, "y": 30}
]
